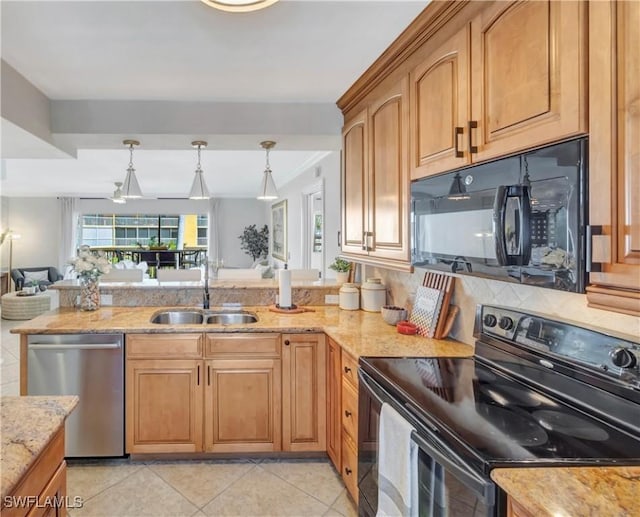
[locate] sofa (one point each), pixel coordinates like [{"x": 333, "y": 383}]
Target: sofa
[{"x": 43, "y": 276}]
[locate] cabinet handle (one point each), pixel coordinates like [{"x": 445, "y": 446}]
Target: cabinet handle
[
  {"x": 347, "y": 414},
  {"x": 208, "y": 375},
  {"x": 347, "y": 369},
  {"x": 287, "y": 342},
  {"x": 348, "y": 471},
  {"x": 364, "y": 241},
  {"x": 198, "y": 381},
  {"x": 473, "y": 124},
  {"x": 339, "y": 239},
  {"x": 457, "y": 132}
]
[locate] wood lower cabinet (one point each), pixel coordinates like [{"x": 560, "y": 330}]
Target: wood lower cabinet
[
  {"x": 614, "y": 156},
  {"x": 304, "y": 386},
  {"x": 164, "y": 395},
  {"x": 349, "y": 419},
  {"x": 334, "y": 388},
  {"x": 46, "y": 479},
  {"x": 242, "y": 405}
]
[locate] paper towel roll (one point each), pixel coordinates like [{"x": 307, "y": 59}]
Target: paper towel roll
[{"x": 284, "y": 284}]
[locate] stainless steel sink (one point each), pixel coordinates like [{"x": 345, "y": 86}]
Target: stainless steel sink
[
  {"x": 196, "y": 317},
  {"x": 178, "y": 317},
  {"x": 231, "y": 318}
]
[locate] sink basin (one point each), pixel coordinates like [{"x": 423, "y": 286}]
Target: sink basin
[
  {"x": 177, "y": 317},
  {"x": 231, "y": 318}
]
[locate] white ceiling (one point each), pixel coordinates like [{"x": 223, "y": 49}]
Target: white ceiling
[{"x": 297, "y": 51}]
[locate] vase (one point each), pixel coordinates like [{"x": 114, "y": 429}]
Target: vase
[
  {"x": 342, "y": 277},
  {"x": 89, "y": 294}
]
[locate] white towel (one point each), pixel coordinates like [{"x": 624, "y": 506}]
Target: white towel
[{"x": 397, "y": 466}]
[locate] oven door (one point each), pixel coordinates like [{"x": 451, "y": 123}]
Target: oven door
[{"x": 447, "y": 485}]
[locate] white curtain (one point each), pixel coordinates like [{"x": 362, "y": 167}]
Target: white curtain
[
  {"x": 214, "y": 233},
  {"x": 68, "y": 231}
]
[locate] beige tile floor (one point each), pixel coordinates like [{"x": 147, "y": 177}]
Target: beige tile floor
[{"x": 214, "y": 488}]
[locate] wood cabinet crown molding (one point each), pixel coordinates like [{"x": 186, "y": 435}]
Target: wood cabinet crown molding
[{"x": 426, "y": 24}]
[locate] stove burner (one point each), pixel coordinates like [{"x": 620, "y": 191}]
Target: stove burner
[
  {"x": 506, "y": 395},
  {"x": 520, "y": 429},
  {"x": 570, "y": 425}
]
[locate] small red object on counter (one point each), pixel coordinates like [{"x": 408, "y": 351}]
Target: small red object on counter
[{"x": 406, "y": 327}]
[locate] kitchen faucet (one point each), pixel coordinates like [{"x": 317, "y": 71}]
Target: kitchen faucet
[{"x": 205, "y": 296}]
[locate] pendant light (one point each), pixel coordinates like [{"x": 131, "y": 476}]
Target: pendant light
[
  {"x": 131, "y": 188},
  {"x": 268, "y": 189},
  {"x": 117, "y": 194},
  {"x": 458, "y": 191},
  {"x": 239, "y": 6},
  {"x": 199, "y": 188}
]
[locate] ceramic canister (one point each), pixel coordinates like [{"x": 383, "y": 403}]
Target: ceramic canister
[
  {"x": 349, "y": 297},
  {"x": 373, "y": 295}
]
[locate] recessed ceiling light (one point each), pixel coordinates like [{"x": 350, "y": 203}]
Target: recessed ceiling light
[{"x": 239, "y": 6}]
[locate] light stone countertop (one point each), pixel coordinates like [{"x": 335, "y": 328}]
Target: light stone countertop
[
  {"x": 569, "y": 491},
  {"x": 28, "y": 424},
  {"x": 360, "y": 333}
]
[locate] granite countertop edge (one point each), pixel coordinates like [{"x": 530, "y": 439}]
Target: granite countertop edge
[{"x": 28, "y": 425}]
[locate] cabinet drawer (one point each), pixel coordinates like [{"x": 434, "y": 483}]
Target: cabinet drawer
[
  {"x": 350, "y": 410},
  {"x": 240, "y": 345},
  {"x": 350, "y": 369},
  {"x": 350, "y": 467},
  {"x": 164, "y": 346}
]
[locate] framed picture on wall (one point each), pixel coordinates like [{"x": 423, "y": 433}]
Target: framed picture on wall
[{"x": 279, "y": 230}]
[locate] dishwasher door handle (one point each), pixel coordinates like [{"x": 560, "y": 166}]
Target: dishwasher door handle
[{"x": 75, "y": 346}]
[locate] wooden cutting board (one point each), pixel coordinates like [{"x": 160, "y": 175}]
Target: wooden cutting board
[{"x": 444, "y": 283}]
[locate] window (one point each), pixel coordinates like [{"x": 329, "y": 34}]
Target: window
[{"x": 110, "y": 230}]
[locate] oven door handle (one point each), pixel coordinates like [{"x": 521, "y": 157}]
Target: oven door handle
[{"x": 483, "y": 488}]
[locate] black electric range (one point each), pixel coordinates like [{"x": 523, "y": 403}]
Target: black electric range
[{"x": 538, "y": 392}]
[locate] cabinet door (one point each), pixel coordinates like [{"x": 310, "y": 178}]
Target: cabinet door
[
  {"x": 334, "y": 422},
  {"x": 242, "y": 405},
  {"x": 528, "y": 75},
  {"x": 439, "y": 111},
  {"x": 164, "y": 405},
  {"x": 354, "y": 184},
  {"x": 389, "y": 174},
  {"x": 304, "y": 402},
  {"x": 614, "y": 155}
]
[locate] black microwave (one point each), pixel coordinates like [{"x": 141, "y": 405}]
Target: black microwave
[{"x": 519, "y": 219}]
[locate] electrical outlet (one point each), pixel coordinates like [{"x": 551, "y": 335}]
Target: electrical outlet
[
  {"x": 106, "y": 299},
  {"x": 331, "y": 299}
]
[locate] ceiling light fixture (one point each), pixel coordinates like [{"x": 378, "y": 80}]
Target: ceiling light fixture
[
  {"x": 239, "y": 6},
  {"x": 458, "y": 191},
  {"x": 268, "y": 189},
  {"x": 199, "y": 188},
  {"x": 117, "y": 194},
  {"x": 131, "y": 186}
]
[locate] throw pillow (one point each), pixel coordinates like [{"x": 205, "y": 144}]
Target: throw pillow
[{"x": 36, "y": 276}]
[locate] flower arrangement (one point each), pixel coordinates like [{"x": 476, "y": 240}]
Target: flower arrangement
[{"x": 89, "y": 264}]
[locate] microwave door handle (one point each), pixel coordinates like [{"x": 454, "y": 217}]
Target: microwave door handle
[
  {"x": 499, "y": 212},
  {"x": 483, "y": 488},
  {"x": 525, "y": 224},
  {"x": 523, "y": 220}
]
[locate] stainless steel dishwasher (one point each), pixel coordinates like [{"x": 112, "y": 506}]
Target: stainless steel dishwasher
[{"x": 92, "y": 367}]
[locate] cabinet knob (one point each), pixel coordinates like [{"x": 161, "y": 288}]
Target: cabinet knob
[
  {"x": 287, "y": 342},
  {"x": 347, "y": 414},
  {"x": 347, "y": 369},
  {"x": 347, "y": 471}
]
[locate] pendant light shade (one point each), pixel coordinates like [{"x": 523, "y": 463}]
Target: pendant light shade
[
  {"x": 117, "y": 194},
  {"x": 458, "y": 191},
  {"x": 131, "y": 189},
  {"x": 199, "y": 188},
  {"x": 268, "y": 188},
  {"x": 239, "y": 6}
]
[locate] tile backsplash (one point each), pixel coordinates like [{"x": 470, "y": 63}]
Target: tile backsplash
[{"x": 470, "y": 291}]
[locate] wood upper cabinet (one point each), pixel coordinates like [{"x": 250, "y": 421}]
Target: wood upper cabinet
[
  {"x": 163, "y": 396},
  {"x": 334, "y": 384},
  {"x": 528, "y": 78},
  {"x": 440, "y": 109},
  {"x": 304, "y": 392},
  {"x": 242, "y": 405},
  {"x": 355, "y": 216},
  {"x": 514, "y": 77},
  {"x": 614, "y": 155},
  {"x": 375, "y": 184}
]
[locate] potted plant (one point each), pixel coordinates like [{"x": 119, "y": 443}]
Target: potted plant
[
  {"x": 255, "y": 242},
  {"x": 342, "y": 268}
]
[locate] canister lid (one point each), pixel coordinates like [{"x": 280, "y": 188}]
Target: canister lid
[
  {"x": 348, "y": 287},
  {"x": 374, "y": 284}
]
